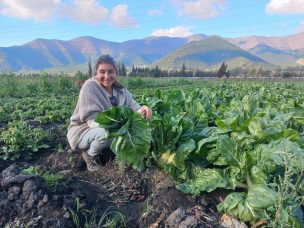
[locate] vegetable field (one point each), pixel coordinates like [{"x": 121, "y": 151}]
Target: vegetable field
[{"x": 245, "y": 138}]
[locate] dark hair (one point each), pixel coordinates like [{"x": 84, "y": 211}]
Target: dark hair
[
  {"x": 108, "y": 60},
  {"x": 105, "y": 59}
]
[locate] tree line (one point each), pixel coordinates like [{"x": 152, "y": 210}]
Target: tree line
[{"x": 222, "y": 72}]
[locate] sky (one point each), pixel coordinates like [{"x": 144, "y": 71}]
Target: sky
[{"x": 22, "y": 21}]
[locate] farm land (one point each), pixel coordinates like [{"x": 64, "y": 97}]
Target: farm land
[{"x": 215, "y": 153}]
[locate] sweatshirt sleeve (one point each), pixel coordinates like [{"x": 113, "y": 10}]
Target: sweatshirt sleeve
[
  {"x": 131, "y": 102},
  {"x": 88, "y": 103}
]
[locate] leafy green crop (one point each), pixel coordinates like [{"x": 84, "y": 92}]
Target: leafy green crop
[
  {"x": 131, "y": 134},
  {"x": 227, "y": 136},
  {"x": 21, "y": 139}
]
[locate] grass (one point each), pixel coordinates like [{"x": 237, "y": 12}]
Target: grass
[
  {"x": 50, "y": 179},
  {"x": 109, "y": 219}
]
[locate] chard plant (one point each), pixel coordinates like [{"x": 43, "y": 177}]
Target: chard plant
[{"x": 223, "y": 138}]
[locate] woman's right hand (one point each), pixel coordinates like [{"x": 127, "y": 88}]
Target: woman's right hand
[{"x": 145, "y": 111}]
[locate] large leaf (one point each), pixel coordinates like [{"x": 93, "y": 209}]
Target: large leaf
[
  {"x": 166, "y": 132},
  {"x": 207, "y": 180},
  {"x": 202, "y": 150},
  {"x": 299, "y": 115},
  {"x": 244, "y": 140},
  {"x": 132, "y": 139},
  {"x": 183, "y": 153},
  {"x": 249, "y": 207},
  {"x": 284, "y": 153},
  {"x": 258, "y": 176},
  {"x": 283, "y": 117},
  {"x": 255, "y": 128},
  {"x": 228, "y": 148},
  {"x": 291, "y": 134},
  {"x": 114, "y": 118},
  {"x": 187, "y": 129},
  {"x": 235, "y": 204},
  {"x": 260, "y": 196}
]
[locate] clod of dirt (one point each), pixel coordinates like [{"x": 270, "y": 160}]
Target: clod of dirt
[
  {"x": 190, "y": 221},
  {"x": 175, "y": 218},
  {"x": 227, "y": 221}
]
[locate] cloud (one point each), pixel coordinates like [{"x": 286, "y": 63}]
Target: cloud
[
  {"x": 178, "y": 31},
  {"x": 121, "y": 18},
  {"x": 301, "y": 27},
  {"x": 285, "y": 7},
  {"x": 37, "y": 10},
  {"x": 199, "y": 9},
  {"x": 155, "y": 12},
  {"x": 88, "y": 11}
]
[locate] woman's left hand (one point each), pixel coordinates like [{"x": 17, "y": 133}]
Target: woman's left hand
[{"x": 145, "y": 111}]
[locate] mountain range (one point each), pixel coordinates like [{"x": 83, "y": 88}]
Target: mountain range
[{"x": 196, "y": 51}]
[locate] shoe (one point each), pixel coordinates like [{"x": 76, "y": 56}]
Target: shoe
[{"x": 92, "y": 164}]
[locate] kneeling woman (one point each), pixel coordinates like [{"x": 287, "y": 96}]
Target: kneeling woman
[{"x": 98, "y": 94}]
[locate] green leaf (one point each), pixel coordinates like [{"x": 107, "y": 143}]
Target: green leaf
[
  {"x": 286, "y": 152},
  {"x": 187, "y": 129},
  {"x": 132, "y": 134},
  {"x": 248, "y": 207},
  {"x": 114, "y": 118},
  {"x": 207, "y": 180},
  {"x": 228, "y": 148},
  {"x": 231, "y": 201},
  {"x": 283, "y": 117},
  {"x": 291, "y": 134},
  {"x": 261, "y": 196},
  {"x": 255, "y": 128},
  {"x": 258, "y": 176},
  {"x": 235, "y": 204},
  {"x": 183, "y": 153},
  {"x": 201, "y": 149}
]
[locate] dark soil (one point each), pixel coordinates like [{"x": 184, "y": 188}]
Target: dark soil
[{"x": 97, "y": 199}]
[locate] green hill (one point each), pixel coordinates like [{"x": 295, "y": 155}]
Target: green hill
[
  {"x": 282, "y": 58},
  {"x": 210, "y": 53}
]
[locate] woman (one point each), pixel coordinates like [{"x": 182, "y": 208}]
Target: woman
[{"x": 98, "y": 94}]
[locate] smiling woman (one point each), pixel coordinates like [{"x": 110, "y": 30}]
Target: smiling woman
[
  {"x": 98, "y": 94},
  {"x": 106, "y": 75}
]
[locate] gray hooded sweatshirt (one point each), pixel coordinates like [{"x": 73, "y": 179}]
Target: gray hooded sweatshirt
[{"x": 93, "y": 99}]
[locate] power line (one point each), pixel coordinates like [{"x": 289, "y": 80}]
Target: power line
[
  {"x": 109, "y": 30},
  {"x": 136, "y": 8},
  {"x": 106, "y": 29},
  {"x": 230, "y": 32}
]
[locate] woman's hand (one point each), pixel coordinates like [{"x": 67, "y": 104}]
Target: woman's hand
[{"x": 145, "y": 111}]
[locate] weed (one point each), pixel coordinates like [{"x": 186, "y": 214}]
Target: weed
[
  {"x": 112, "y": 219},
  {"x": 77, "y": 203},
  {"x": 109, "y": 219},
  {"x": 289, "y": 198},
  {"x": 50, "y": 179},
  {"x": 75, "y": 218}
]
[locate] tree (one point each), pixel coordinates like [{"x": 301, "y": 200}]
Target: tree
[
  {"x": 123, "y": 71},
  {"x": 90, "y": 71},
  {"x": 287, "y": 74},
  {"x": 223, "y": 71},
  {"x": 183, "y": 70},
  {"x": 156, "y": 72}
]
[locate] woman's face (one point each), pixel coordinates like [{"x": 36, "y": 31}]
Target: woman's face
[{"x": 106, "y": 75}]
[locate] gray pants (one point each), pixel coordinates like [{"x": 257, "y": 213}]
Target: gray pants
[{"x": 94, "y": 141}]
